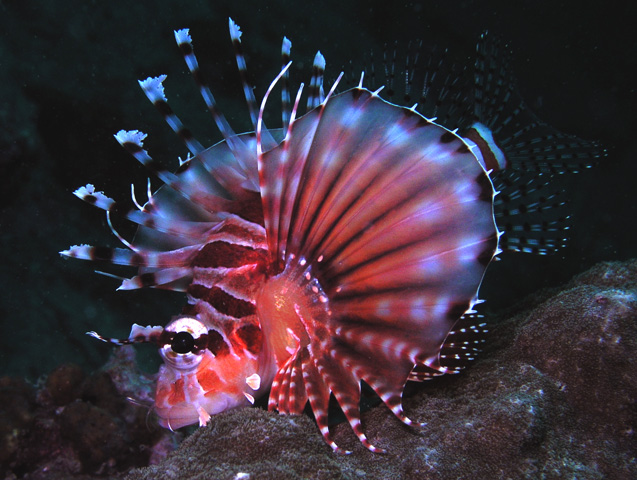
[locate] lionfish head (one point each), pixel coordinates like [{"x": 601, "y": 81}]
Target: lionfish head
[{"x": 205, "y": 371}]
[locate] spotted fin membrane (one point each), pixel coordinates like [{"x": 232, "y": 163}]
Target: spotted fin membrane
[{"x": 346, "y": 246}]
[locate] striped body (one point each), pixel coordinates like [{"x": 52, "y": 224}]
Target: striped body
[{"x": 347, "y": 246}]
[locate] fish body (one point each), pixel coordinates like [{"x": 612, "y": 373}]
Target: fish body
[{"x": 347, "y": 246}]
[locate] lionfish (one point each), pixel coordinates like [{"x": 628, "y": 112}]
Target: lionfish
[{"x": 347, "y": 246}]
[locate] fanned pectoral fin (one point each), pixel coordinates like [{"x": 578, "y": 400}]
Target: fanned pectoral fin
[
  {"x": 338, "y": 370},
  {"x": 345, "y": 386},
  {"x": 323, "y": 376},
  {"x": 380, "y": 227},
  {"x": 383, "y": 373}
]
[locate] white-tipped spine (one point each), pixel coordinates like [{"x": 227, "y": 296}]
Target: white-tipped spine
[
  {"x": 183, "y": 36},
  {"x": 286, "y": 48},
  {"x": 130, "y": 136},
  {"x": 88, "y": 194},
  {"x": 235, "y": 30},
  {"x": 319, "y": 61},
  {"x": 83, "y": 252},
  {"x": 153, "y": 88}
]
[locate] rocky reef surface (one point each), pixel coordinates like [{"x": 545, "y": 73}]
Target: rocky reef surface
[
  {"x": 78, "y": 426},
  {"x": 553, "y": 396}
]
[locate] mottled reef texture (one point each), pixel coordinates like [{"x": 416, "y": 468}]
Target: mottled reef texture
[
  {"x": 74, "y": 425},
  {"x": 552, "y": 397}
]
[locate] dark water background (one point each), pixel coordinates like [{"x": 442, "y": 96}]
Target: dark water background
[{"x": 68, "y": 81}]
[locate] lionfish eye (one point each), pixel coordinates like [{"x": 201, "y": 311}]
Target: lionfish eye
[
  {"x": 179, "y": 348},
  {"x": 183, "y": 342}
]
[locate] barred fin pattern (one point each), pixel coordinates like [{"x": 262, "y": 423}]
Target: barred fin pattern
[
  {"x": 529, "y": 144},
  {"x": 286, "y": 47},
  {"x": 235, "y": 35},
  {"x": 209, "y": 194},
  {"x": 242, "y": 155},
  {"x": 316, "y": 94},
  {"x": 173, "y": 226},
  {"x": 184, "y": 41},
  {"x": 532, "y": 212},
  {"x": 437, "y": 86},
  {"x": 119, "y": 256},
  {"x": 164, "y": 278},
  {"x": 132, "y": 141},
  {"x": 522, "y": 150},
  {"x": 359, "y": 230},
  {"x": 154, "y": 90},
  {"x": 460, "y": 349}
]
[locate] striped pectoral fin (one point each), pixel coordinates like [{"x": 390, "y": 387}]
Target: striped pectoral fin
[
  {"x": 318, "y": 394},
  {"x": 382, "y": 356},
  {"x": 385, "y": 222},
  {"x": 338, "y": 369},
  {"x": 388, "y": 381},
  {"x": 288, "y": 394},
  {"x": 346, "y": 389},
  {"x": 297, "y": 396},
  {"x": 343, "y": 369},
  {"x": 279, "y": 389},
  {"x": 310, "y": 350},
  {"x": 120, "y": 256},
  {"x": 353, "y": 189}
]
